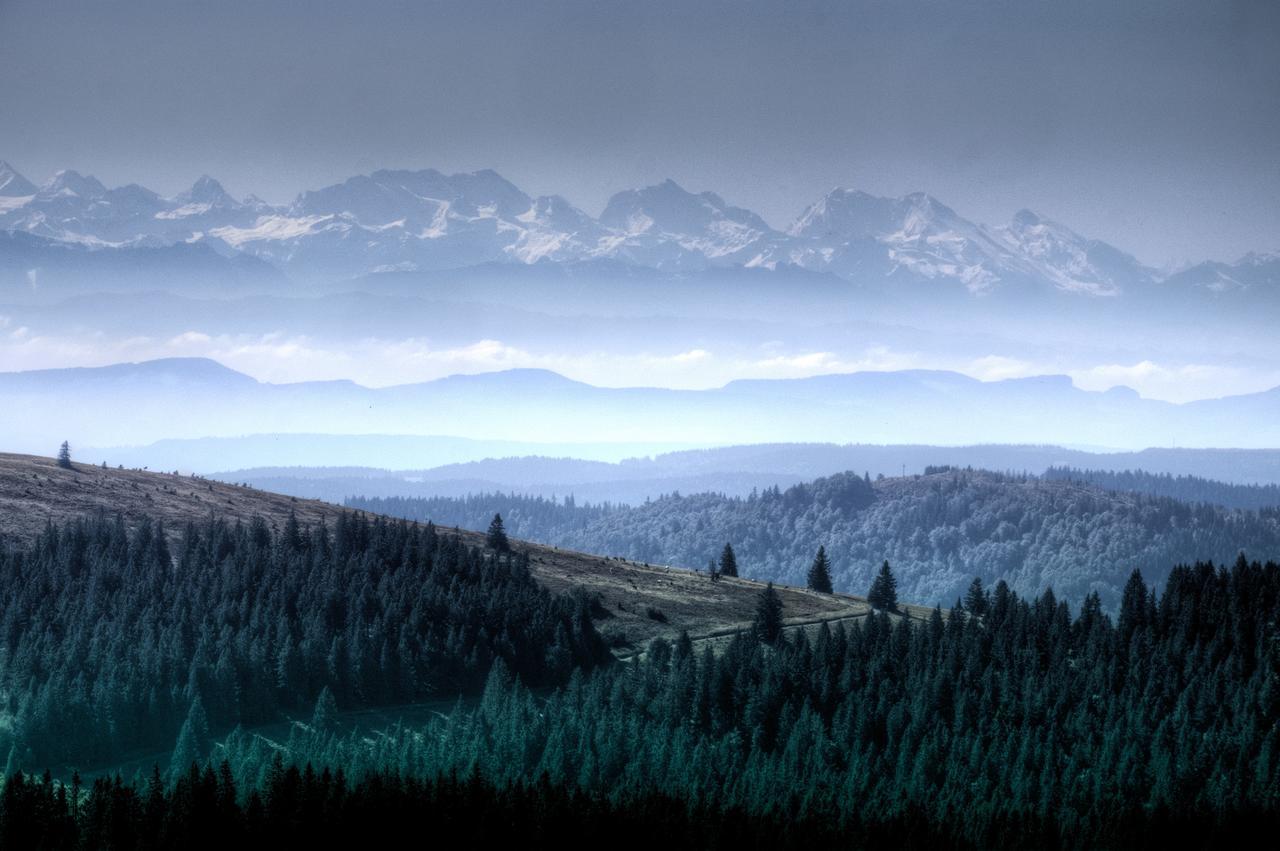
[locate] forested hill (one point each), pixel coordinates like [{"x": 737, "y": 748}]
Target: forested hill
[
  {"x": 938, "y": 531},
  {"x": 1185, "y": 488},
  {"x": 35, "y": 492}
]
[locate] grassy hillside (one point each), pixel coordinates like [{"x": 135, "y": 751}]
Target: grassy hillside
[{"x": 637, "y": 601}]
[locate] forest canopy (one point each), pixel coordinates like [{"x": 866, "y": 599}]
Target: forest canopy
[{"x": 938, "y": 531}]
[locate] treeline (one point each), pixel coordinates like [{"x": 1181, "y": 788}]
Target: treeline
[
  {"x": 1185, "y": 488},
  {"x": 938, "y": 531},
  {"x": 110, "y": 640},
  {"x": 1006, "y": 723},
  {"x": 321, "y": 809}
]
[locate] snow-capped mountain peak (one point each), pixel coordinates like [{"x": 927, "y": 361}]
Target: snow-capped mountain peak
[
  {"x": 206, "y": 190},
  {"x": 12, "y": 184},
  {"x": 71, "y": 182},
  {"x": 1070, "y": 261},
  {"x": 397, "y": 219}
]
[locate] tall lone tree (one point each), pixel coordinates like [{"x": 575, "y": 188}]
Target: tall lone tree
[
  {"x": 728, "y": 561},
  {"x": 820, "y": 572},
  {"x": 64, "y": 455},
  {"x": 768, "y": 621},
  {"x": 976, "y": 600},
  {"x": 884, "y": 591},
  {"x": 496, "y": 539}
]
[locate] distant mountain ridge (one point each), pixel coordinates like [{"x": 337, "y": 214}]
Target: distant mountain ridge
[
  {"x": 1234, "y": 478},
  {"x": 402, "y": 220},
  {"x": 194, "y": 397}
]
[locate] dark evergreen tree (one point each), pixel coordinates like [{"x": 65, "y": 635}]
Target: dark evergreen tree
[
  {"x": 976, "y": 601},
  {"x": 64, "y": 455},
  {"x": 193, "y": 741},
  {"x": 768, "y": 620},
  {"x": 884, "y": 590},
  {"x": 820, "y": 572},
  {"x": 728, "y": 561},
  {"x": 496, "y": 538},
  {"x": 325, "y": 714}
]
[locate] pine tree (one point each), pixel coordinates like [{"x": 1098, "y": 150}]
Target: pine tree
[
  {"x": 713, "y": 571},
  {"x": 884, "y": 591},
  {"x": 325, "y": 715},
  {"x": 64, "y": 455},
  {"x": 728, "y": 561},
  {"x": 768, "y": 621},
  {"x": 820, "y": 572},
  {"x": 193, "y": 741},
  {"x": 976, "y": 601},
  {"x": 496, "y": 539}
]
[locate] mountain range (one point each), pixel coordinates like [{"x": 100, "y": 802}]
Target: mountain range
[
  {"x": 136, "y": 403},
  {"x": 420, "y": 221}
]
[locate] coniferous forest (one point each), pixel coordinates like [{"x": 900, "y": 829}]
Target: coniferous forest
[
  {"x": 1003, "y": 722},
  {"x": 939, "y": 531},
  {"x": 112, "y": 641}
]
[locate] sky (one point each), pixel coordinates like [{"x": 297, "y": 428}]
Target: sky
[{"x": 1153, "y": 125}]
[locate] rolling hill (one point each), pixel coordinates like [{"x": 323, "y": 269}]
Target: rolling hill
[
  {"x": 35, "y": 492},
  {"x": 939, "y": 531}
]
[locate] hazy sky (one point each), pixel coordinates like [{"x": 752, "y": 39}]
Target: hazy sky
[{"x": 1153, "y": 125}]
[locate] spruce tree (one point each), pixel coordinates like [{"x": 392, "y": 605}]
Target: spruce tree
[
  {"x": 976, "y": 601},
  {"x": 884, "y": 590},
  {"x": 193, "y": 740},
  {"x": 496, "y": 539},
  {"x": 64, "y": 455},
  {"x": 325, "y": 715},
  {"x": 728, "y": 561},
  {"x": 820, "y": 572},
  {"x": 768, "y": 621}
]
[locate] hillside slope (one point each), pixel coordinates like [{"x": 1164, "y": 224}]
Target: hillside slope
[
  {"x": 938, "y": 531},
  {"x": 34, "y": 491}
]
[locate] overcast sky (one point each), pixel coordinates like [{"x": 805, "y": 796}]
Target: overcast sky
[{"x": 1153, "y": 125}]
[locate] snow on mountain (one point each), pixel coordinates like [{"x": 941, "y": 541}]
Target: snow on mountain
[
  {"x": 1071, "y": 262},
  {"x": 14, "y": 185},
  {"x": 1255, "y": 273},
  {"x": 665, "y": 225},
  {"x": 855, "y": 234},
  {"x": 427, "y": 220}
]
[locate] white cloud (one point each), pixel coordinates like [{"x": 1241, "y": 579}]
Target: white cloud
[{"x": 1178, "y": 382}]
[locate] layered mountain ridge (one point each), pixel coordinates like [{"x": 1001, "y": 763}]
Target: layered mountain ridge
[{"x": 196, "y": 397}]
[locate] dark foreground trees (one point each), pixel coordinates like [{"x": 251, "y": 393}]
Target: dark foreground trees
[
  {"x": 1027, "y": 727},
  {"x": 110, "y": 637},
  {"x": 304, "y": 807},
  {"x": 64, "y": 455}
]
